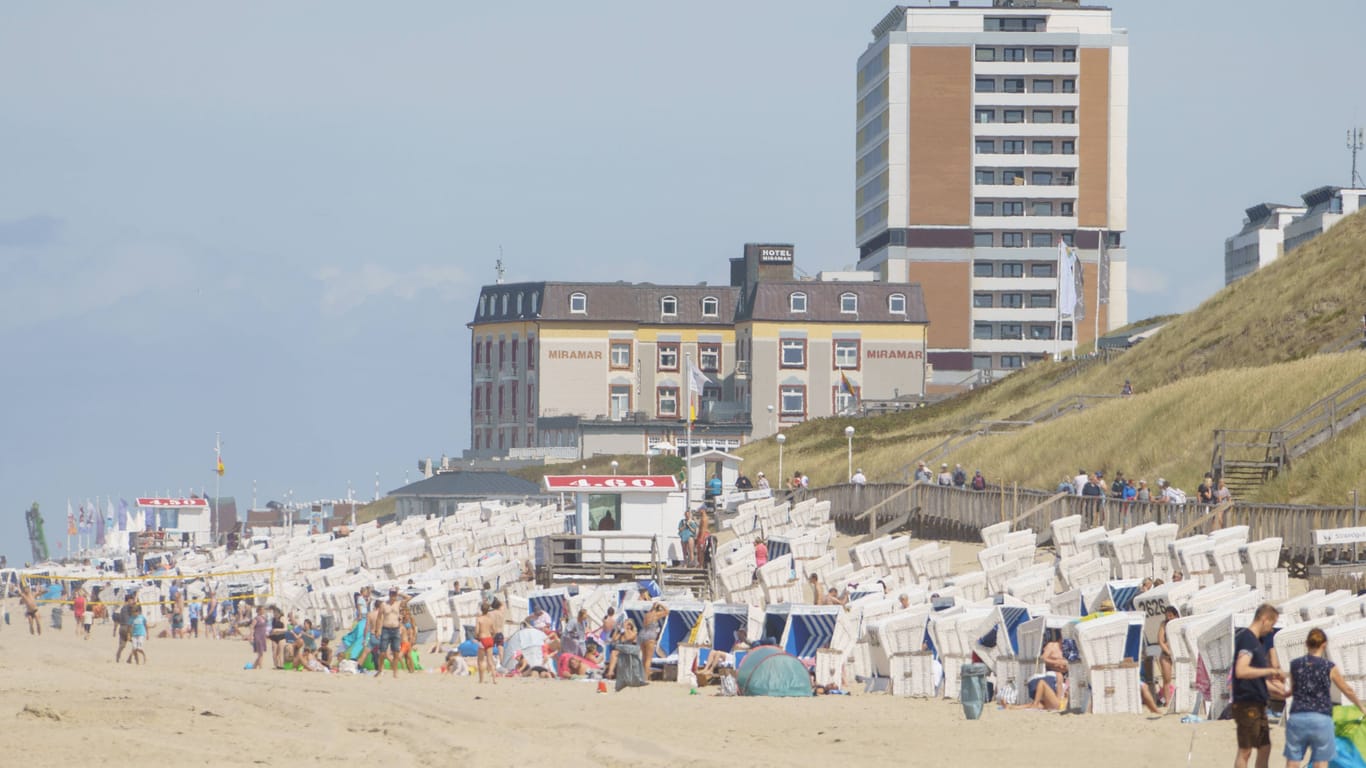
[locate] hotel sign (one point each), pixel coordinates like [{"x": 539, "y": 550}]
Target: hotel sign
[
  {"x": 611, "y": 483},
  {"x": 895, "y": 354},
  {"x": 574, "y": 354},
  {"x": 772, "y": 254},
  {"x": 164, "y": 502}
]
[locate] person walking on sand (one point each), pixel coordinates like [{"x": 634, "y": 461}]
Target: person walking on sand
[
  {"x": 390, "y": 632},
  {"x": 78, "y": 608},
  {"x": 260, "y": 630},
  {"x": 483, "y": 634},
  {"x": 1251, "y": 670},
  {"x": 35, "y": 625},
  {"x": 138, "y": 629},
  {"x": 1310, "y": 724},
  {"x": 123, "y": 624}
]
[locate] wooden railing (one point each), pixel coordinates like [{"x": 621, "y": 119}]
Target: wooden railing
[{"x": 938, "y": 512}]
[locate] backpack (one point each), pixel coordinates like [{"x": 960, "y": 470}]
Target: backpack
[
  {"x": 979, "y": 483},
  {"x": 1175, "y": 495},
  {"x": 960, "y": 478}
]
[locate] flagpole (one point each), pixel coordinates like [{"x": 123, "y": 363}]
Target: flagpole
[
  {"x": 1100, "y": 259},
  {"x": 687, "y": 466},
  {"x": 217, "y": 480},
  {"x": 68, "y": 526},
  {"x": 1057, "y": 303}
]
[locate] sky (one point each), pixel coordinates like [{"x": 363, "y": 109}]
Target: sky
[{"x": 271, "y": 220}]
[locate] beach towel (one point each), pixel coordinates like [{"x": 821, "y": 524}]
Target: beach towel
[{"x": 630, "y": 670}]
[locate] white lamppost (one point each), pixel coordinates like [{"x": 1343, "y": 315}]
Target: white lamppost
[
  {"x": 781, "y": 438},
  {"x": 849, "y": 436},
  {"x": 614, "y": 466},
  {"x": 772, "y": 425}
]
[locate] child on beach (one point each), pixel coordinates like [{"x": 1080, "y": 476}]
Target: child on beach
[
  {"x": 139, "y": 633},
  {"x": 87, "y": 619}
]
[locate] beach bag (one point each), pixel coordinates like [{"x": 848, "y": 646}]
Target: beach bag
[
  {"x": 729, "y": 687},
  {"x": 1176, "y": 495}
]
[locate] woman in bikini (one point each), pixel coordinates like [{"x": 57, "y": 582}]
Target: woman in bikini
[{"x": 652, "y": 624}]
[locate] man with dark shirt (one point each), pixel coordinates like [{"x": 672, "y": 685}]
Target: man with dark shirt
[
  {"x": 1251, "y": 669},
  {"x": 123, "y": 623}
]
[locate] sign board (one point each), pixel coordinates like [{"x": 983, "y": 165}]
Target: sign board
[
  {"x": 1327, "y": 537},
  {"x": 172, "y": 502},
  {"x": 775, "y": 254},
  {"x": 612, "y": 483}
]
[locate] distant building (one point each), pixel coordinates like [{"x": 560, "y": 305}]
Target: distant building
[
  {"x": 441, "y": 494},
  {"x": 563, "y": 370},
  {"x": 985, "y": 134},
  {"x": 1260, "y": 241},
  {"x": 1272, "y": 230}
]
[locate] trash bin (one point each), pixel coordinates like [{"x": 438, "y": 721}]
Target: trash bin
[
  {"x": 973, "y": 692},
  {"x": 57, "y": 617},
  {"x": 328, "y": 626}
]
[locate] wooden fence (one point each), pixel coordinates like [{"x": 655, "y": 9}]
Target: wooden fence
[{"x": 936, "y": 512}]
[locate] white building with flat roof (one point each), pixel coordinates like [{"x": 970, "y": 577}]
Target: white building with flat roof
[{"x": 1260, "y": 241}]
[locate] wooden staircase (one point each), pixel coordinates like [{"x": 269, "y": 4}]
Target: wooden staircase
[{"x": 1246, "y": 458}]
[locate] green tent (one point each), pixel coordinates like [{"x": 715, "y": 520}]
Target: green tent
[{"x": 768, "y": 671}]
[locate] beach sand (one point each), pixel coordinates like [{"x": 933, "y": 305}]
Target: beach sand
[{"x": 63, "y": 701}]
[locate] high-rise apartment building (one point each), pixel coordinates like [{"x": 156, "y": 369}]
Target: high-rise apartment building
[{"x": 985, "y": 136}]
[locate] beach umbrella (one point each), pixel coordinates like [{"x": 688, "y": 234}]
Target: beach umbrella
[{"x": 530, "y": 643}]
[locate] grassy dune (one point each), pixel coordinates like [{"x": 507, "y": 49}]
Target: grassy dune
[{"x": 1246, "y": 358}]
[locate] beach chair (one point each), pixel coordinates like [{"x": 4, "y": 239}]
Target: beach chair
[
  {"x": 969, "y": 587},
  {"x": 1066, "y": 603},
  {"x": 930, "y": 564},
  {"x": 1032, "y": 588},
  {"x": 998, "y": 575},
  {"x": 993, "y": 555},
  {"x": 801, "y": 629},
  {"x": 1091, "y": 571},
  {"x": 1238, "y": 533},
  {"x": 1226, "y": 560},
  {"x": 869, "y": 555},
  {"x": 1291, "y": 608},
  {"x": 995, "y": 535},
  {"x": 1089, "y": 541},
  {"x": 1347, "y": 648},
  {"x": 1215, "y": 642},
  {"x": 1290, "y": 641},
  {"x": 894, "y": 552},
  {"x": 1192, "y": 556},
  {"x": 1261, "y": 569},
  {"x": 1328, "y": 605},
  {"x": 953, "y": 636},
  {"x": 1111, "y": 647},
  {"x": 1130, "y": 555},
  {"x": 1348, "y": 610},
  {"x": 1065, "y": 530}
]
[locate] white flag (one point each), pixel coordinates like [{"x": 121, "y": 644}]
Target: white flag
[
  {"x": 697, "y": 384},
  {"x": 1067, "y": 282}
]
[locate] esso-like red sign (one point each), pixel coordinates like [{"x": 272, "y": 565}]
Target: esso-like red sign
[
  {"x": 165, "y": 502},
  {"x": 611, "y": 482}
]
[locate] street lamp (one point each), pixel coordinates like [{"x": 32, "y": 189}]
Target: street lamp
[
  {"x": 772, "y": 425},
  {"x": 781, "y": 438},
  {"x": 614, "y": 466},
  {"x": 849, "y": 436}
]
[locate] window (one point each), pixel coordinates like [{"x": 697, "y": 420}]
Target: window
[
  {"x": 797, "y": 302},
  {"x": 1011, "y": 331},
  {"x": 985, "y": 177},
  {"x": 535, "y": 303},
  {"x": 1012, "y": 269},
  {"x": 1066, "y": 209},
  {"x": 985, "y": 115},
  {"x": 1069, "y": 54},
  {"x": 1043, "y": 54},
  {"x": 709, "y": 357},
  {"x": 985, "y": 85},
  {"x": 981, "y": 362},
  {"x": 505, "y": 303},
  {"x": 620, "y": 401},
  {"x": 1041, "y": 208},
  {"x": 531, "y": 353},
  {"x": 668, "y": 356},
  {"x": 1069, "y": 147},
  {"x": 1012, "y": 176},
  {"x": 896, "y": 304},
  {"x": 519, "y": 304},
  {"x": 848, "y": 303},
  {"x": 1012, "y": 208},
  {"x": 981, "y": 331},
  {"x": 983, "y": 269},
  {"x": 792, "y": 399},
  {"x": 604, "y": 511},
  {"x": 1068, "y": 238},
  {"x": 530, "y": 403},
  {"x": 1040, "y": 239},
  {"x": 1013, "y": 24},
  {"x": 1069, "y": 86},
  {"x": 1112, "y": 239},
  {"x": 845, "y": 402},
  {"x": 667, "y": 402},
  {"x": 1040, "y": 332},
  {"x": 1041, "y": 300},
  {"x": 1012, "y": 240},
  {"x": 1066, "y": 332},
  {"x": 1012, "y": 146},
  {"x": 668, "y": 306},
  {"x": 1041, "y": 116},
  {"x": 793, "y": 353},
  {"x": 1012, "y": 54},
  {"x": 711, "y": 306},
  {"x": 1041, "y": 147},
  {"x": 1011, "y": 361},
  {"x": 512, "y": 395},
  {"x": 620, "y": 355},
  {"x": 983, "y": 301},
  {"x": 986, "y": 54},
  {"x": 847, "y": 354},
  {"x": 984, "y": 208},
  {"x": 578, "y": 303},
  {"x": 1042, "y": 86},
  {"x": 1013, "y": 85},
  {"x": 1067, "y": 178},
  {"x": 483, "y": 304},
  {"x": 985, "y": 147},
  {"x": 1012, "y": 300},
  {"x": 1041, "y": 178},
  {"x": 983, "y": 240},
  {"x": 1013, "y": 115},
  {"x": 1069, "y": 115}
]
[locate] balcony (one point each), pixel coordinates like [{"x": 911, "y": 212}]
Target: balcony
[
  {"x": 1055, "y": 191},
  {"x": 1025, "y": 222},
  {"x": 483, "y": 417},
  {"x": 1026, "y": 130},
  {"x": 742, "y": 369},
  {"x": 482, "y": 372},
  {"x": 508, "y": 371}
]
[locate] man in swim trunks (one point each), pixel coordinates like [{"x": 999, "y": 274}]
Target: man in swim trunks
[
  {"x": 483, "y": 634},
  {"x": 390, "y": 631},
  {"x": 123, "y": 624},
  {"x": 372, "y": 638},
  {"x": 35, "y": 625}
]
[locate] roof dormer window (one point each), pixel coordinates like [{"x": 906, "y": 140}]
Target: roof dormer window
[
  {"x": 797, "y": 302},
  {"x": 578, "y": 303},
  {"x": 668, "y": 306},
  {"x": 896, "y": 303},
  {"x": 849, "y": 303},
  {"x": 711, "y": 306}
]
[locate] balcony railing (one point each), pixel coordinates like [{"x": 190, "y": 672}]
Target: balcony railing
[
  {"x": 508, "y": 371},
  {"x": 482, "y": 371},
  {"x": 742, "y": 369}
]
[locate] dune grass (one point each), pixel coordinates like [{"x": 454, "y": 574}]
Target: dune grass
[{"x": 1246, "y": 358}]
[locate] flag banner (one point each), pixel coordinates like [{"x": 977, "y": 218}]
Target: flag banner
[
  {"x": 697, "y": 384},
  {"x": 220, "y": 465},
  {"x": 71, "y": 529},
  {"x": 123, "y": 515},
  {"x": 1070, "y": 284},
  {"x": 99, "y": 527},
  {"x": 1103, "y": 275}
]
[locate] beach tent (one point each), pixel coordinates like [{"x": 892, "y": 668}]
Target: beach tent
[
  {"x": 801, "y": 629},
  {"x": 767, "y": 671},
  {"x": 530, "y": 642}
]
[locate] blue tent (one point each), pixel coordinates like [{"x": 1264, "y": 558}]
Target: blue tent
[{"x": 767, "y": 671}]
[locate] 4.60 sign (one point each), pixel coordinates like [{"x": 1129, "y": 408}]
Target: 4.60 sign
[{"x": 663, "y": 483}]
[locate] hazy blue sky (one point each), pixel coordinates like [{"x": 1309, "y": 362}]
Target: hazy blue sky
[{"x": 270, "y": 219}]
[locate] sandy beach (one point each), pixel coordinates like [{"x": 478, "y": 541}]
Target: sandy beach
[{"x": 63, "y": 701}]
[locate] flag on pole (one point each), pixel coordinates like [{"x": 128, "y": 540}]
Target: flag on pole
[
  {"x": 71, "y": 529},
  {"x": 697, "y": 382},
  {"x": 220, "y": 464},
  {"x": 847, "y": 389},
  {"x": 123, "y": 515},
  {"x": 99, "y": 526},
  {"x": 1069, "y": 284}
]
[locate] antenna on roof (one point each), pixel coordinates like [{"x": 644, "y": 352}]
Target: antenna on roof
[
  {"x": 498, "y": 267},
  {"x": 1355, "y": 144}
]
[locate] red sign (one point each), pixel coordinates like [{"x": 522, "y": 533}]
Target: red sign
[
  {"x": 611, "y": 483},
  {"x": 173, "y": 502}
]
